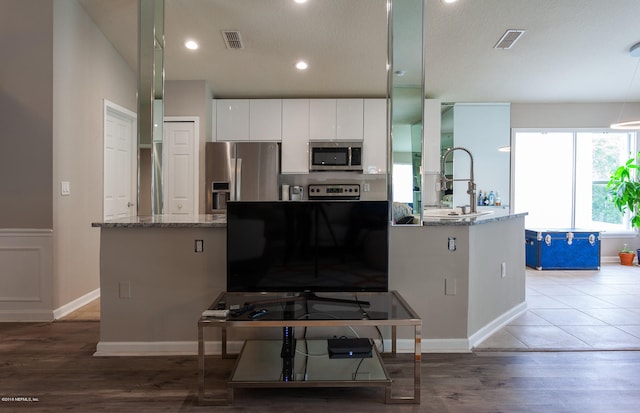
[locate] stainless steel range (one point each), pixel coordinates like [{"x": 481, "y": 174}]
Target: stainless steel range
[{"x": 334, "y": 191}]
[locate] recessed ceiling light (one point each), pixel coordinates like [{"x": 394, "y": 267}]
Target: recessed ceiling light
[
  {"x": 449, "y": 1},
  {"x": 300, "y": 1},
  {"x": 302, "y": 65},
  {"x": 191, "y": 45}
]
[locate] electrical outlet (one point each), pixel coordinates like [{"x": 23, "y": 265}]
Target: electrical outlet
[
  {"x": 449, "y": 286},
  {"x": 451, "y": 244},
  {"x": 366, "y": 187},
  {"x": 124, "y": 289},
  {"x": 199, "y": 245}
]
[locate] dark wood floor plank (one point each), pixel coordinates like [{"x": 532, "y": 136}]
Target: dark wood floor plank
[{"x": 54, "y": 363}]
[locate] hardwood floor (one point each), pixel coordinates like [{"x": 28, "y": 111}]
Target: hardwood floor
[{"x": 53, "y": 364}]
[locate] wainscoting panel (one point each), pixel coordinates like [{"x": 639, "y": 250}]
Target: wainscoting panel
[{"x": 26, "y": 266}]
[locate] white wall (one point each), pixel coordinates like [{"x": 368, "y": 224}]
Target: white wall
[
  {"x": 481, "y": 128},
  {"x": 86, "y": 70},
  {"x": 192, "y": 98},
  {"x": 26, "y": 116}
]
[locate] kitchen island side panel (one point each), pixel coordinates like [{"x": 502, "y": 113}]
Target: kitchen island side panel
[{"x": 153, "y": 284}]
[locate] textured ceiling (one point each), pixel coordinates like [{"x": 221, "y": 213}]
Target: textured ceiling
[{"x": 572, "y": 51}]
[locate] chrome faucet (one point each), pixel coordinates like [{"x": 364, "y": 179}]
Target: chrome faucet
[{"x": 471, "y": 188}]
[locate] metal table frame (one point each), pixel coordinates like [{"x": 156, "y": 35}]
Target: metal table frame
[{"x": 224, "y": 323}]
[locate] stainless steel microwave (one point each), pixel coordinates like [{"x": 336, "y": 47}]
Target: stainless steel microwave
[{"x": 335, "y": 156}]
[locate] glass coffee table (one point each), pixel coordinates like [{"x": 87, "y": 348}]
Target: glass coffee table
[{"x": 294, "y": 361}]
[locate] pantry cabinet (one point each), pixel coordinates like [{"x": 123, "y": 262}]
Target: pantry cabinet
[
  {"x": 295, "y": 136},
  {"x": 374, "y": 151}
]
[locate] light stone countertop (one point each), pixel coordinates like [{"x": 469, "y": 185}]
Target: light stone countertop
[
  {"x": 166, "y": 221},
  {"x": 497, "y": 214}
]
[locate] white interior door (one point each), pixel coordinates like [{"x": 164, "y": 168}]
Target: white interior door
[
  {"x": 181, "y": 167},
  {"x": 120, "y": 174}
]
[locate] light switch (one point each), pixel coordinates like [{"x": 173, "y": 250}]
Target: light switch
[{"x": 65, "y": 188}]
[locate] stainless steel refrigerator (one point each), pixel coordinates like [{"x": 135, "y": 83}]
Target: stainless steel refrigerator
[{"x": 246, "y": 171}]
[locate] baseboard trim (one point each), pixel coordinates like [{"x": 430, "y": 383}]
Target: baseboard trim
[
  {"x": 26, "y": 316},
  {"x": 72, "y": 306},
  {"x": 446, "y": 345},
  {"x": 488, "y": 330}
]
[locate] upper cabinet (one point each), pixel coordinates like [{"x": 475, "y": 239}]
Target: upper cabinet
[
  {"x": 248, "y": 120},
  {"x": 265, "y": 119},
  {"x": 322, "y": 119},
  {"x": 349, "y": 119},
  {"x": 295, "y": 122},
  {"x": 232, "y": 120},
  {"x": 374, "y": 153},
  {"x": 336, "y": 119}
]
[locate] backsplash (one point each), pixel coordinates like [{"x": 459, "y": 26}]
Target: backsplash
[{"x": 376, "y": 184}]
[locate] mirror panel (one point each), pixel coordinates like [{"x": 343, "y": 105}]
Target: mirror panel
[
  {"x": 150, "y": 105},
  {"x": 406, "y": 89}
]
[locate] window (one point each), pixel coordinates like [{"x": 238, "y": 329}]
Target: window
[
  {"x": 561, "y": 176},
  {"x": 402, "y": 175}
]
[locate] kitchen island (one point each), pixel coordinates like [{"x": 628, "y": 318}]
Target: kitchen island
[
  {"x": 465, "y": 278},
  {"x": 157, "y": 274}
]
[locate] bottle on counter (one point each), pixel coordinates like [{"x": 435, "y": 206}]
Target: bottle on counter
[
  {"x": 498, "y": 201},
  {"x": 492, "y": 198},
  {"x": 480, "y": 199}
]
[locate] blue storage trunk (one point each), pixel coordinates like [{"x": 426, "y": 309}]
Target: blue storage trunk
[{"x": 562, "y": 249}]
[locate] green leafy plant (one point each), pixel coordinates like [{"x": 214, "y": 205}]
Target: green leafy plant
[
  {"x": 625, "y": 250},
  {"x": 624, "y": 189}
]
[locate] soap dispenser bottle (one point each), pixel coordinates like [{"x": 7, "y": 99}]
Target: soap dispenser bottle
[
  {"x": 480, "y": 198},
  {"x": 492, "y": 198}
]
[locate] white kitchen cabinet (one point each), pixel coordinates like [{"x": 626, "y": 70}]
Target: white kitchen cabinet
[
  {"x": 248, "y": 120},
  {"x": 349, "y": 119},
  {"x": 322, "y": 119},
  {"x": 374, "y": 147},
  {"x": 265, "y": 120},
  {"x": 336, "y": 119},
  {"x": 232, "y": 120},
  {"x": 295, "y": 136}
]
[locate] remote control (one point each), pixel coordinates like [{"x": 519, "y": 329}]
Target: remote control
[{"x": 215, "y": 313}]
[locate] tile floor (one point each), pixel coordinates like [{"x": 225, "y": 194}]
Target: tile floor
[{"x": 576, "y": 310}]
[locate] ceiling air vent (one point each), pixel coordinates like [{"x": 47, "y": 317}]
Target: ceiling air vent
[
  {"x": 232, "y": 39},
  {"x": 508, "y": 39}
]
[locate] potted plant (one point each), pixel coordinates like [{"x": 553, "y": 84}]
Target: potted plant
[
  {"x": 626, "y": 255},
  {"x": 624, "y": 191}
]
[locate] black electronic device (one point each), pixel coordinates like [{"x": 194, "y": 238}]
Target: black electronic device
[
  {"x": 307, "y": 246},
  {"x": 349, "y": 348},
  {"x": 288, "y": 353}
]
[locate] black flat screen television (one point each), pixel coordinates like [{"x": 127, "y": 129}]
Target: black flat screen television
[{"x": 307, "y": 246}]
